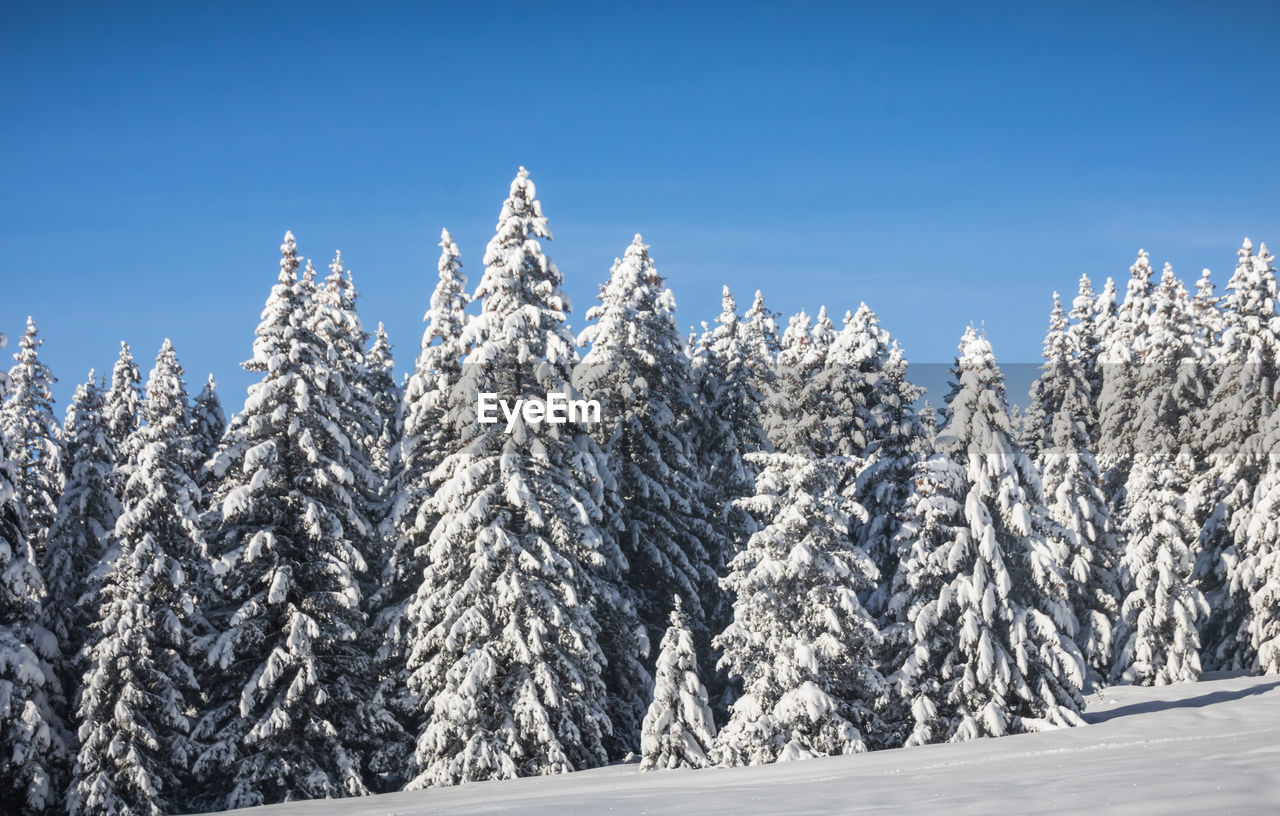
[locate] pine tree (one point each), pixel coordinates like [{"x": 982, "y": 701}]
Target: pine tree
[
  {"x": 1206, "y": 315},
  {"x": 208, "y": 423},
  {"x": 1257, "y": 577},
  {"x": 800, "y": 642},
  {"x": 123, "y": 403},
  {"x": 78, "y": 540},
  {"x": 1047, "y": 391},
  {"x": 638, "y": 371},
  {"x": 1084, "y": 339},
  {"x": 1248, "y": 365},
  {"x": 505, "y": 661},
  {"x": 35, "y": 439},
  {"x": 289, "y": 685},
  {"x": 430, "y": 433},
  {"x": 140, "y": 693},
  {"x": 381, "y": 385},
  {"x": 1073, "y": 493},
  {"x": 1125, "y": 344},
  {"x": 678, "y": 731},
  {"x": 982, "y": 589},
  {"x": 337, "y": 324},
  {"x": 32, "y": 748},
  {"x": 1155, "y": 638}
]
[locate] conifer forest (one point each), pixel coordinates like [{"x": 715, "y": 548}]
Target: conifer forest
[{"x": 770, "y": 546}]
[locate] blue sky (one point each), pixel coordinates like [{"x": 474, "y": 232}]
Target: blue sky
[{"x": 947, "y": 163}]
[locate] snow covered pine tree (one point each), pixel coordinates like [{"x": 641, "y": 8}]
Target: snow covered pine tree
[
  {"x": 984, "y": 588},
  {"x": 678, "y": 730},
  {"x": 289, "y": 687},
  {"x": 505, "y": 660},
  {"x": 140, "y": 694}
]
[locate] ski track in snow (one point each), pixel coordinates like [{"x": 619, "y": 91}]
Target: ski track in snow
[{"x": 1211, "y": 747}]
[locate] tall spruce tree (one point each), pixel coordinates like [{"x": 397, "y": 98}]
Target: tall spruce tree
[
  {"x": 35, "y": 439},
  {"x": 1244, "y": 393},
  {"x": 983, "y": 589},
  {"x": 1257, "y": 575},
  {"x": 637, "y": 370},
  {"x": 32, "y": 747},
  {"x": 140, "y": 694},
  {"x": 79, "y": 538},
  {"x": 425, "y": 433},
  {"x": 1073, "y": 494},
  {"x": 505, "y": 658},
  {"x": 288, "y": 682},
  {"x": 1156, "y": 638}
]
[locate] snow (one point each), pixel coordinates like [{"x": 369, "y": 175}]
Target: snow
[{"x": 1207, "y": 747}]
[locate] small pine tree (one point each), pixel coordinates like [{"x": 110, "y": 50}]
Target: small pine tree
[
  {"x": 800, "y": 642},
  {"x": 208, "y": 424},
  {"x": 140, "y": 693},
  {"x": 123, "y": 403},
  {"x": 1085, "y": 342},
  {"x": 1047, "y": 391},
  {"x": 678, "y": 730}
]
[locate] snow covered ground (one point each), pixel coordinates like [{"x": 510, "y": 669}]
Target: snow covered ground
[{"x": 1211, "y": 747}]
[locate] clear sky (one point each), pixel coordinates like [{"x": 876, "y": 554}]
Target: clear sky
[{"x": 948, "y": 163}]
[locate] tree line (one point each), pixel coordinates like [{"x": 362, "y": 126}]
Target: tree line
[{"x": 770, "y": 547}]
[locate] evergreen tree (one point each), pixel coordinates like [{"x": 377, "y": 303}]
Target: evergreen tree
[
  {"x": 679, "y": 731},
  {"x": 208, "y": 423},
  {"x": 1073, "y": 493},
  {"x": 123, "y": 403},
  {"x": 1156, "y": 639},
  {"x": 381, "y": 385},
  {"x": 1085, "y": 342},
  {"x": 505, "y": 661},
  {"x": 1257, "y": 578},
  {"x": 1047, "y": 391},
  {"x": 638, "y": 371},
  {"x": 1125, "y": 346},
  {"x": 32, "y": 748},
  {"x": 800, "y": 642},
  {"x": 429, "y": 434},
  {"x": 35, "y": 439},
  {"x": 288, "y": 683},
  {"x": 337, "y": 324},
  {"x": 78, "y": 540},
  {"x": 140, "y": 693},
  {"x": 983, "y": 590},
  {"x": 1206, "y": 315},
  {"x": 1244, "y": 393}
]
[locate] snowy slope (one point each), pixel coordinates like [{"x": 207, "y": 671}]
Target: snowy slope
[{"x": 1208, "y": 747}]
